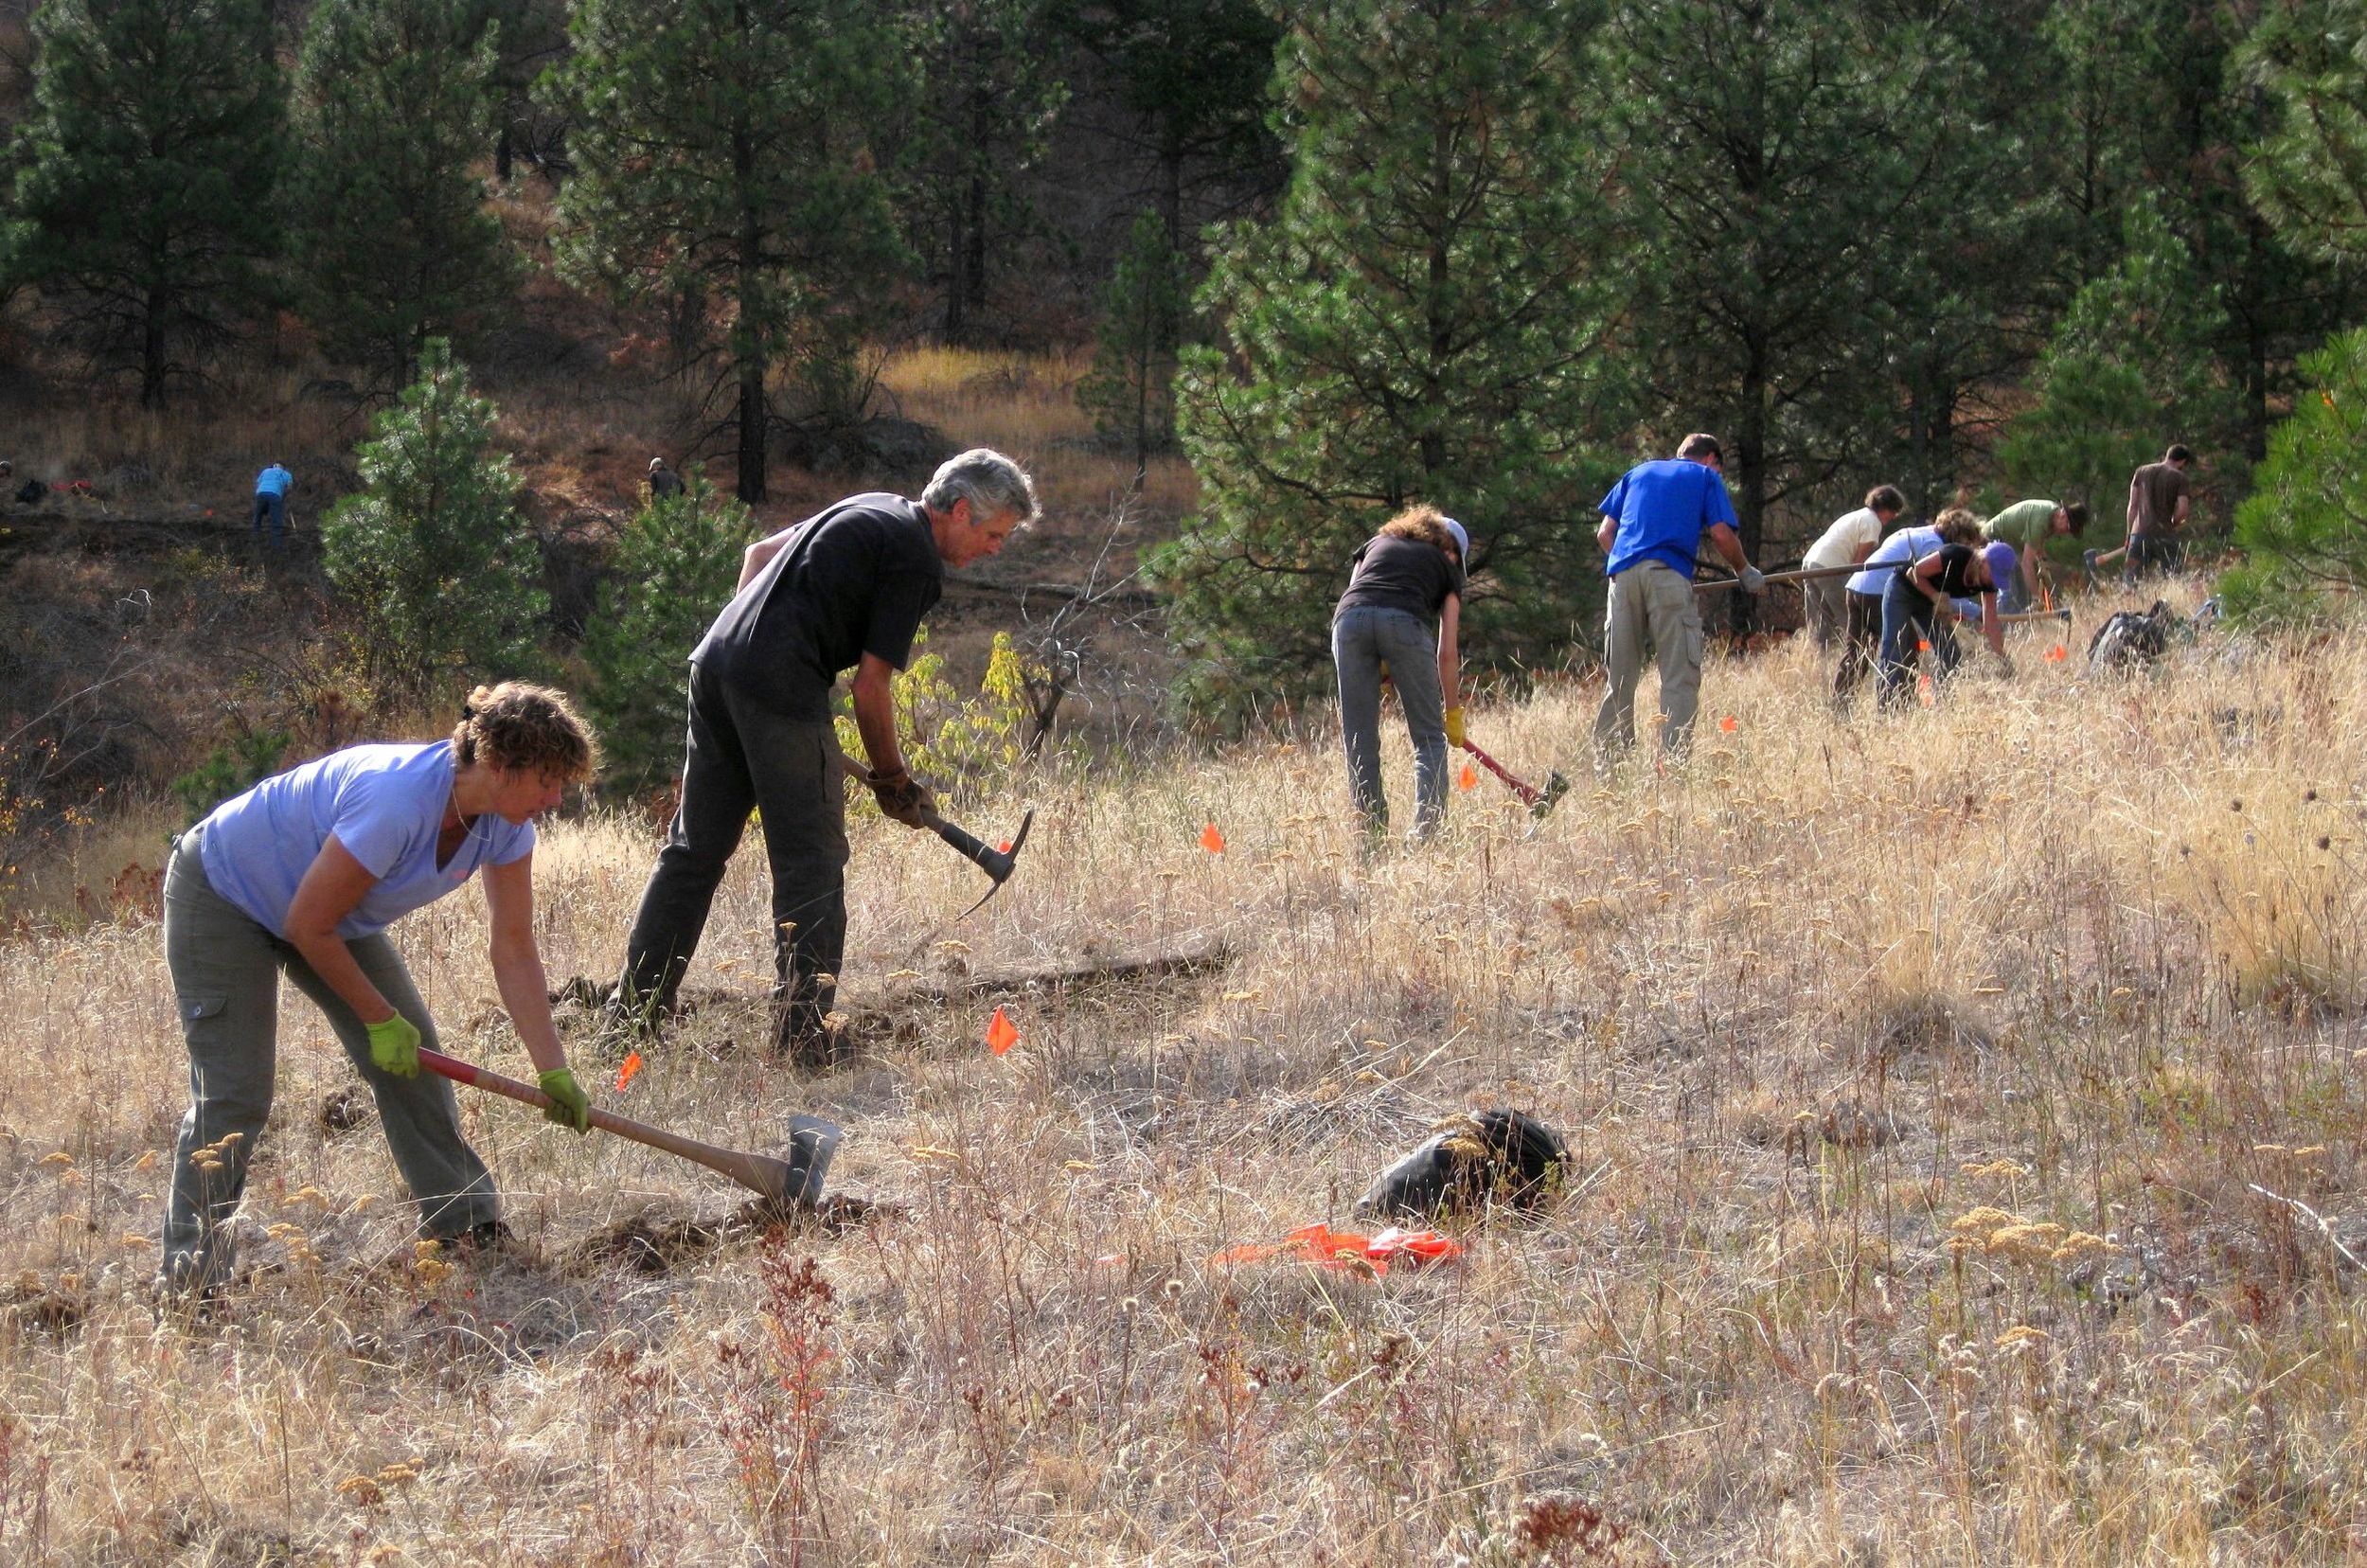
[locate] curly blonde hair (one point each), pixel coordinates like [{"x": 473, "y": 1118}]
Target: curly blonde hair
[
  {"x": 520, "y": 727},
  {"x": 1425, "y": 523},
  {"x": 1957, "y": 526}
]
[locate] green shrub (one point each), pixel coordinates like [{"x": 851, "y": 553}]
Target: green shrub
[{"x": 674, "y": 568}]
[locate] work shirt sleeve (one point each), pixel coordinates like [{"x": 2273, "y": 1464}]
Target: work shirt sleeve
[
  {"x": 901, "y": 600},
  {"x": 1716, "y": 505},
  {"x": 374, "y": 829},
  {"x": 1609, "y": 505}
]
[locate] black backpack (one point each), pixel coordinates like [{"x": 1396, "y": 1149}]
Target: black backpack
[{"x": 2132, "y": 639}]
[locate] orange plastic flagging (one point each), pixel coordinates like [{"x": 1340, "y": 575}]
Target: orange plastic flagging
[
  {"x": 2057, "y": 653},
  {"x": 1352, "y": 1251},
  {"x": 1730, "y": 724},
  {"x": 631, "y": 1065},
  {"x": 1002, "y": 1034},
  {"x": 1468, "y": 779},
  {"x": 1211, "y": 840}
]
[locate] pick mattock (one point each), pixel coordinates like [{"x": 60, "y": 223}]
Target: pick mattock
[
  {"x": 796, "y": 1180},
  {"x": 997, "y": 864},
  {"x": 1538, "y": 801}
]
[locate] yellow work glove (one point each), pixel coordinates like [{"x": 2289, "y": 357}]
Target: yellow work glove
[
  {"x": 570, "y": 1106},
  {"x": 1455, "y": 734},
  {"x": 394, "y": 1046}
]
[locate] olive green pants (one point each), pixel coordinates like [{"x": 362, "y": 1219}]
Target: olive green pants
[{"x": 226, "y": 982}]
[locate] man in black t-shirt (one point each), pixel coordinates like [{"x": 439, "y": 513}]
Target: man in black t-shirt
[{"x": 845, "y": 589}]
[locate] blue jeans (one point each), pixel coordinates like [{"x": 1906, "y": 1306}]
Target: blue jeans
[
  {"x": 1361, "y": 639},
  {"x": 272, "y": 505},
  {"x": 1907, "y": 618}
]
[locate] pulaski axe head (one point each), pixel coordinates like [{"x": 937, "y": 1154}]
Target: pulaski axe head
[
  {"x": 998, "y": 863},
  {"x": 798, "y": 1179},
  {"x": 1556, "y": 785}
]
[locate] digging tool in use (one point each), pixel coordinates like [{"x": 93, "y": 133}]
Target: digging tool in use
[
  {"x": 794, "y": 1180},
  {"x": 2094, "y": 559},
  {"x": 2034, "y": 615},
  {"x": 1805, "y": 574},
  {"x": 1538, "y": 801},
  {"x": 994, "y": 862}
]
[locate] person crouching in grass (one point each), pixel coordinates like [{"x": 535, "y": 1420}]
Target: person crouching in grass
[
  {"x": 302, "y": 874},
  {"x": 1918, "y": 591}
]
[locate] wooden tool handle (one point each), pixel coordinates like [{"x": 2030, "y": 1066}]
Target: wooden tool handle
[{"x": 754, "y": 1171}]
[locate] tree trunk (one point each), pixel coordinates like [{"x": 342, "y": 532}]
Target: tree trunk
[
  {"x": 957, "y": 322},
  {"x": 152, "y": 362},
  {"x": 505, "y": 153},
  {"x": 752, "y": 428}
]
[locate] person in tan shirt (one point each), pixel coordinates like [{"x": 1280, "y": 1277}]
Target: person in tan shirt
[{"x": 2157, "y": 514}]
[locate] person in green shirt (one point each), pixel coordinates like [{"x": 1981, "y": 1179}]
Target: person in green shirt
[{"x": 2027, "y": 526}]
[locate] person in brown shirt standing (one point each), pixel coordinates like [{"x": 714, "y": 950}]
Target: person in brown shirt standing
[{"x": 2157, "y": 514}]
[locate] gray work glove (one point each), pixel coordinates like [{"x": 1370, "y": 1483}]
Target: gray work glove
[{"x": 1753, "y": 580}]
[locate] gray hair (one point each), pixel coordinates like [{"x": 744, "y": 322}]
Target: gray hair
[{"x": 991, "y": 483}]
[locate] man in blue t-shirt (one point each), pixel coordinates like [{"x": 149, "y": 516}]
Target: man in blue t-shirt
[
  {"x": 270, "y": 502},
  {"x": 1653, "y": 520}
]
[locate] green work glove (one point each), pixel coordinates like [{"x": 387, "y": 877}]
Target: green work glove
[
  {"x": 394, "y": 1046},
  {"x": 570, "y": 1106},
  {"x": 1454, "y": 729}
]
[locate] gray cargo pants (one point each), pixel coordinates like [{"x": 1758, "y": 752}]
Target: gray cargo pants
[
  {"x": 1361, "y": 638},
  {"x": 742, "y": 757},
  {"x": 1652, "y": 612},
  {"x": 225, "y": 984}
]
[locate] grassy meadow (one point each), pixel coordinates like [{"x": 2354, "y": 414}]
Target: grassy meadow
[{"x": 1966, "y": 1109}]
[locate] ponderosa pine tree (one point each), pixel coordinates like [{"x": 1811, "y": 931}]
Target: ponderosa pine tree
[
  {"x": 2309, "y": 169},
  {"x": 1781, "y": 163},
  {"x": 147, "y": 175},
  {"x": 1424, "y": 320},
  {"x": 432, "y": 550},
  {"x": 729, "y": 149},
  {"x": 989, "y": 92},
  {"x": 2131, "y": 368},
  {"x": 2303, "y": 527},
  {"x": 673, "y": 568},
  {"x": 392, "y": 240}
]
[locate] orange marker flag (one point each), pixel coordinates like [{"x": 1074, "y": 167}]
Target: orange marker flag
[
  {"x": 2057, "y": 653},
  {"x": 1923, "y": 647},
  {"x": 1002, "y": 1034},
  {"x": 1211, "y": 840},
  {"x": 1730, "y": 724},
  {"x": 1468, "y": 779},
  {"x": 1923, "y": 685},
  {"x": 623, "y": 1072}
]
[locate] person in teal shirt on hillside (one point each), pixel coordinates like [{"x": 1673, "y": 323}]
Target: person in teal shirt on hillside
[
  {"x": 271, "y": 502},
  {"x": 2027, "y": 526}
]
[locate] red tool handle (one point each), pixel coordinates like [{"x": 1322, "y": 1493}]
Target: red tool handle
[
  {"x": 757, "y": 1173},
  {"x": 1528, "y": 794}
]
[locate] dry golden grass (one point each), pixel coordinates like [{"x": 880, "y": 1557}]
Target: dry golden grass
[
  {"x": 1025, "y": 404},
  {"x": 1919, "y": 1071}
]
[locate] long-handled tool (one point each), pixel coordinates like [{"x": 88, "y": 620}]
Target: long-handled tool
[
  {"x": 994, "y": 862},
  {"x": 2093, "y": 559},
  {"x": 2034, "y": 615},
  {"x": 796, "y": 1180},
  {"x": 1538, "y": 801},
  {"x": 1804, "y": 574}
]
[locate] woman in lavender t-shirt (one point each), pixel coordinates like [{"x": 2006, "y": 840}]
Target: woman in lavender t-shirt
[{"x": 303, "y": 873}]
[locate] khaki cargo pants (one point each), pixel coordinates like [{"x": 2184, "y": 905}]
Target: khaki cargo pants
[
  {"x": 1652, "y": 612},
  {"x": 226, "y": 982}
]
